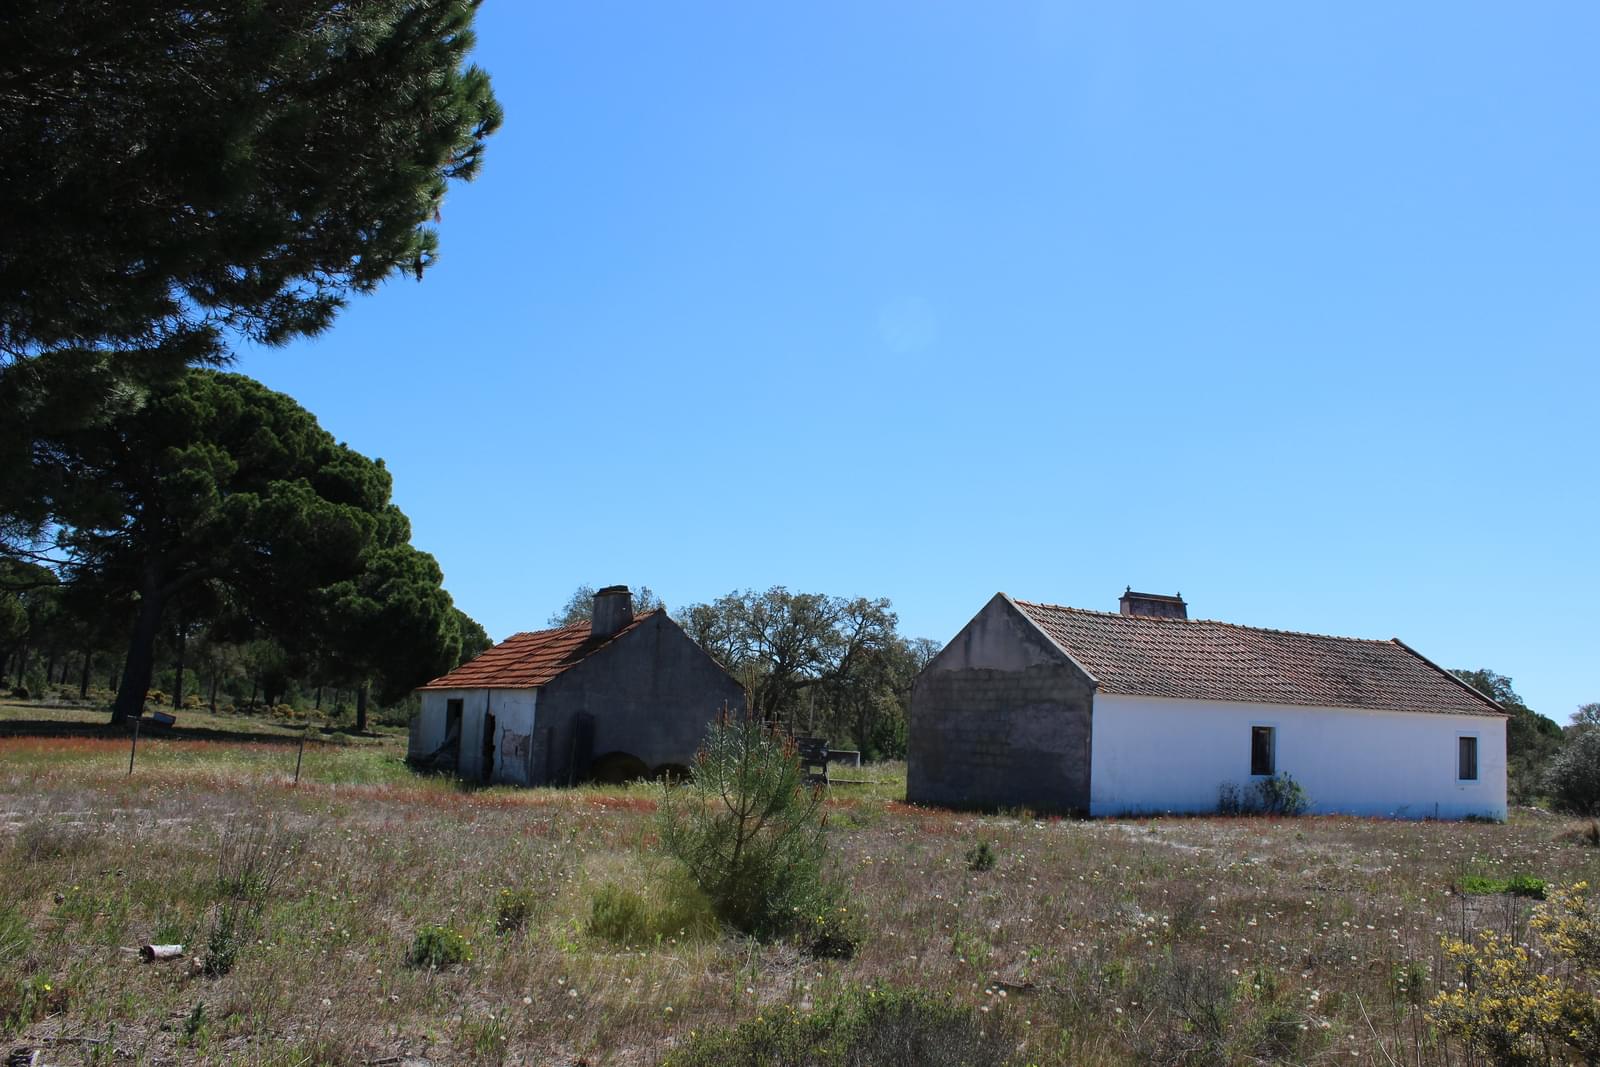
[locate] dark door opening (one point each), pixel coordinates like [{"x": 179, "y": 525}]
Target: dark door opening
[
  {"x": 450, "y": 751},
  {"x": 487, "y": 767}
]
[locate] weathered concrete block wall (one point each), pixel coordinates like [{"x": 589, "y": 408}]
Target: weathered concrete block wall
[
  {"x": 1001, "y": 718},
  {"x": 652, "y": 694}
]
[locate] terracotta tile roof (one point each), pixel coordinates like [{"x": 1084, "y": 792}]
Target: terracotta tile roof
[
  {"x": 527, "y": 660},
  {"x": 1200, "y": 659}
]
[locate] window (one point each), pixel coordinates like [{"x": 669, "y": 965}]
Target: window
[
  {"x": 1467, "y": 759},
  {"x": 1261, "y": 750}
]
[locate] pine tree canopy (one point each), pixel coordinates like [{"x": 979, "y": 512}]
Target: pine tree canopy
[
  {"x": 217, "y": 484},
  {"x": 175, "y": 176}
]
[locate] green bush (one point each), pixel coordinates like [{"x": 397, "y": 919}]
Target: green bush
[
  {"x": 872, "y": 1028},
  {"x": 513, "y": 907},
  {"x": 1573, "y": 778},
  {"x": 629, "y": 917},
  {"x": 1518, "y": 885},
  {"x": 438, "y": 946},
  {"x": 749, "y": 831},
  {"x": 1277, "y": 795},
  {"x": 227, "y": 934},
  {"x": 835, "y": 935},
  {"x": 1282, "y": 795},
  {"x": 980, "y": 857}
]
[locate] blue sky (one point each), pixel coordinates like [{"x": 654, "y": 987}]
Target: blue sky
[{"x": 1291, "y": 308}]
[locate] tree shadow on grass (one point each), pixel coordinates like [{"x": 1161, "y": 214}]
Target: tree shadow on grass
[{"x": 147, "y": 729}]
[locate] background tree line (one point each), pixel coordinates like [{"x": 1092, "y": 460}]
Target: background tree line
[
  {"x": 1540, "y": 754},
  {"x": 215, "y": 527}
]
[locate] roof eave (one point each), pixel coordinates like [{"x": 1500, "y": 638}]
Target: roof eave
[{"x": 1495, "y": 704}]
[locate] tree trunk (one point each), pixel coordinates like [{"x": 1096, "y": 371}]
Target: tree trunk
[
  {"x": 255, "y": 683},
  {"x": 49, "y": 669},
  {"x": 361, "y": 709},
  {"x": 83, "y": 678},
  {"x": 318, "y": 704},
  {"x": 177, "y": 686},
  {"x": 22, "y": 665},
  {"x": 214, "y": 676},
  {"x": 141, "y": 662}
]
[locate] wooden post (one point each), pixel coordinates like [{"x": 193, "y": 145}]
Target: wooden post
[
  {"x": 300, "y": 755},
  {"x": 135, "y": 747}
]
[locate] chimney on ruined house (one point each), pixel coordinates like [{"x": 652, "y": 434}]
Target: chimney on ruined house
[
  {"x": 613, "y": 609},
  {"x": 1154, "y": 605}
]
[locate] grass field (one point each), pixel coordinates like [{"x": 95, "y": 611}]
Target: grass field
[{"x": 1109, "y": 942}]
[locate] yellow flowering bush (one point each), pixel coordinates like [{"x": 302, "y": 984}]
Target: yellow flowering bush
[
  {"x": 1510, "y": 1006},
  {"x": 1570, "y": 925}
]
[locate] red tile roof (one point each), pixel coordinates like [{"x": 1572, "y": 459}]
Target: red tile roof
[
  {"x": 1199, "y": 659},
  {"x": 528, "y": 660}
]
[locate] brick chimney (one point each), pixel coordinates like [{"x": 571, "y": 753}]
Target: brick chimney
[
  {"x": 613, "y": 609},
  {"x": 1154, "y": 605}
]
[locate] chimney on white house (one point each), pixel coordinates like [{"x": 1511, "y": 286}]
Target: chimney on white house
[
  {"x": 1154, "y": 605},
  {"x": 613, "y": 609}
]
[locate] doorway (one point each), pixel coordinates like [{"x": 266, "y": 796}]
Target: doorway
[{"x": 486, "y": 768}]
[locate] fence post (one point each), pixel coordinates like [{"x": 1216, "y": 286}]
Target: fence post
[
  {"x": 301, "y": 754},
  {"x": 132, "y": 751}
]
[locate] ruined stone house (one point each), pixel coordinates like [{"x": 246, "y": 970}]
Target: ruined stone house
[
  {"x": 622, "y": 696},
  {"x": 1145, "y": 710}
]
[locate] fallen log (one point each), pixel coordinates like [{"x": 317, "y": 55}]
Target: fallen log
[{"x": 151, "y": 953}]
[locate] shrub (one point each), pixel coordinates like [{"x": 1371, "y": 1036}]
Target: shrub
[
  {"x": 227, "y": 934},
  {"x": 251, "y": 859},
  {"x": 980, "y": 857},
  {"x": 620, "y": 915},
  {"x": 749, "y": 832},
  {"x": 1277, "y": 795},
  {"x": 513, "y": 907},
  {"x": 1282, "y": 795},
  {"x": 1519, "y": 885},
  {"x": 20, "y": 693},
  {"x": 629, "y": 917},
  {"x": 872, "y": 1028},
  {"x": 1585, "y": 834},
  {"x": 1573, "y": 778},
  {"x": 438, "y": 946},
  {"x": 1518, "y": 1011},
  {"x": 835, "y": 935}
]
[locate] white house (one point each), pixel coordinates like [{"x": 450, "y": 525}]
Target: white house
[{"x": 1146, "y": 711}]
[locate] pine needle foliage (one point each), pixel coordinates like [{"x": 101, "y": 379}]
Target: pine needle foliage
[{"x": 750, "y": 831}]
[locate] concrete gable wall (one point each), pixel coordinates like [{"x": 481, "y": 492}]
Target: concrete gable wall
[
  {"x": 652, "y": 693},
  {"x": 1000, "y": 718}
]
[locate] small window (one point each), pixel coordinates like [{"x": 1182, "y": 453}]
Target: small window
[
  {"x": 1467, "y": 759},
  {"x": 1261, "y": 750}
]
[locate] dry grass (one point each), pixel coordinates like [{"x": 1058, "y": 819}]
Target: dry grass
[{"x": 1119, "y": 942}]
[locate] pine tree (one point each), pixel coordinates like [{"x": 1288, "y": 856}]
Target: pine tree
[{"x": 175, "y": 175}]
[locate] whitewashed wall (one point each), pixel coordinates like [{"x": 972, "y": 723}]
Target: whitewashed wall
[
  {"x": 1155, "y": 755},
  {"x": 514, "y": 718}
]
